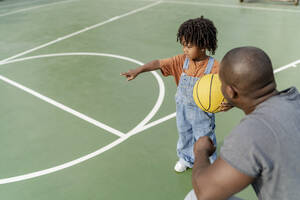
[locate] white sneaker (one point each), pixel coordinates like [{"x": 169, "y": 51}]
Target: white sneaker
[{"x": 179, "y": 167}]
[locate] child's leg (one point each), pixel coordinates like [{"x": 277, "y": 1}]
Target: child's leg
[
  {"x": 185, "y": 140},
  {"x": 204, "y": 125}
]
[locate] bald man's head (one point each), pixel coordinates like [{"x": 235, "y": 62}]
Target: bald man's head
[
  {"x": 247, "y": 68},
  {"x": 247, "y": 77}
]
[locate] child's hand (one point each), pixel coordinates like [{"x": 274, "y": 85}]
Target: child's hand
[
  {"x": 226, "y": 106},
  {"x": 131, "y": 74}
]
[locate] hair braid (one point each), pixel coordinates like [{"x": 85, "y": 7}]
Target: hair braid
[{"x": 200, "y": 32}]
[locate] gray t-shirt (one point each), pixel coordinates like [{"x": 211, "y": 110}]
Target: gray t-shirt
[{"x": 266, "y": 145}]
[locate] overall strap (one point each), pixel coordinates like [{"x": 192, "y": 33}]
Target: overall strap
[
  {"x": 186, "y": 63},
  {"x": 209, "y": 65}
]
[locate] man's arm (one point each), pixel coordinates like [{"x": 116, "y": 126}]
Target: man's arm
[{"x": 217, "y": 181}]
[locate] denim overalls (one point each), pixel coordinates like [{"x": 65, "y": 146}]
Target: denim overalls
[{"x": 192, "y": 122}]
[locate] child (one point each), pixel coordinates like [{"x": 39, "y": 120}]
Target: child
[{"x": 196, "y": 36}]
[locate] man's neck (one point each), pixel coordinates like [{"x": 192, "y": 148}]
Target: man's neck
[{"x": 254, "y": 103}]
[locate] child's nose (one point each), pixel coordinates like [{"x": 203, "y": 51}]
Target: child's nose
[{"x": 184, "y": 49}]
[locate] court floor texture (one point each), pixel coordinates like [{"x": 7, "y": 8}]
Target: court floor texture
[{"x": 72, "y": 128}]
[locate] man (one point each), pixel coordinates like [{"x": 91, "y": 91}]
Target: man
[{"x": 263, "y": 150}]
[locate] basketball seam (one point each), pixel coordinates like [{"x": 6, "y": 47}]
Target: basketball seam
[
  {"x": 218, "y": 106},
  {"x": 198, "y": 96},
  {"x": 209, "y": 105}
]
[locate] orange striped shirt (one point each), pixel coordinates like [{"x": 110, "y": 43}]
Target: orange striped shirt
[{"x": 174, "y": 67}]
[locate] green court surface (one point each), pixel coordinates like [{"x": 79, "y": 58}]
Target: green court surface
[{"x": 73, "y": 128}]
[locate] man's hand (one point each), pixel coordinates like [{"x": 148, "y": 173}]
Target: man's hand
[
  {"x": 131, "y": 74},
  {"x": 204, "y": 145},
  {"x": 226, "y": 106},
  {"x": 218, "y": 180}
]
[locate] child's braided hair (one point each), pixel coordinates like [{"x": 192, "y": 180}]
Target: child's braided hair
[{"x": 200, "y": 32}]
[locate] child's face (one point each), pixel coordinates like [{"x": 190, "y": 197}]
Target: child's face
[{"x": 191, "y": 51}]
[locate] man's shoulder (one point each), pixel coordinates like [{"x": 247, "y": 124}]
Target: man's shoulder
[
  {"x": 243, "y": 147},
  {"x": 252, "y": 132},
  {"x": 249, "y": 124},
  {"x": 288, "y": 96},
  {"x": 285, "y": 106}
]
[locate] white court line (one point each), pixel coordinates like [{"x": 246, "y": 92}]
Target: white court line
[
  {"x": 232, "y": 6},
  {"x": 101, "y": 150},
  {"x": 77, "y": 161},
  {"x": 141, "y": 125},
  {"x": 35, "y": 7},
  {"x": 81, "y": 31},
  {"x": 293, "y": 64},
  {"x": 106, "y": 148},
  {"x": 62, "y": 107},
  {"x": 155, "y": 74},
  {"x": 154, "y": 123},
  {"x": 18, "y": 4},
  {"x": 159, "y": 121},
  {"x": 63, "y": 166}
]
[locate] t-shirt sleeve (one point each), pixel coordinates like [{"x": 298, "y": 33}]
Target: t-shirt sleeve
[
  {"x": 171, "y": 66},
  {"x": 248, "y": 147}
]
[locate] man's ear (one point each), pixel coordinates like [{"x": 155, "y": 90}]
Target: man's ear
[{"x": 231, "y": 92}]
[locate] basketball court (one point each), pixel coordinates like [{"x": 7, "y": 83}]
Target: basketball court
[{"x": 73, "y": 128}]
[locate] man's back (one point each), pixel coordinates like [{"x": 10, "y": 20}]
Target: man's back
[{"x": 266, "y": 145}]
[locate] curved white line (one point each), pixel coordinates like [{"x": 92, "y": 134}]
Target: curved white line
[
  {"x": 62, "y": 107},
  {"x": 170, "y": 116},
  {"x": 158, "y": 78},
  {"x": 140, "y": 126},
  {"x": 82, "y": 31},
  {"x": 109, "y": 146},
  {"x": 105, "y": 148},
  {"x": 62, "y": 166}
]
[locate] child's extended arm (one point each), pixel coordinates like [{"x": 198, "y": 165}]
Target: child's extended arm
[{"x": 150, "y": 66}]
